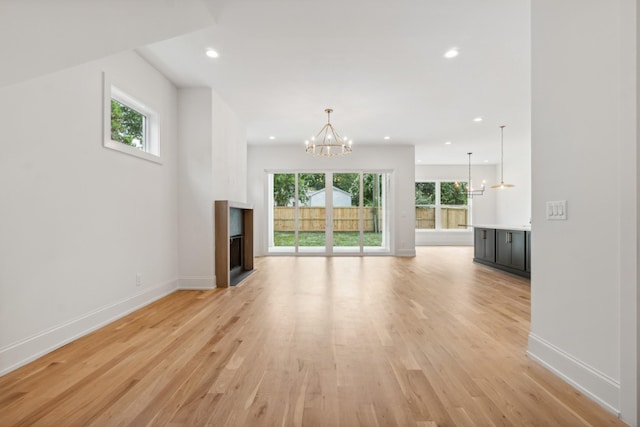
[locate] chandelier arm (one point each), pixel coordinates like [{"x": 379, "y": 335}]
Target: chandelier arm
[
  {"x": 321, "y": 130},
  {"x": 469, "y": 182},
  {"x": 336, "y": 136},
  {"x": 470, "y": 191}
]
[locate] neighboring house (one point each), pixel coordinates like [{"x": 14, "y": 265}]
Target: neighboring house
[{"x": 318, "y": 198}]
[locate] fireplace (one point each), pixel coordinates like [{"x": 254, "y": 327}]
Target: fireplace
[
  {"x": 235, "y": 253},
  {"x": 233, "y": 242}
]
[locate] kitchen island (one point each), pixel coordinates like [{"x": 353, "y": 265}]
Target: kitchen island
[{"x": 507, "y": 248}]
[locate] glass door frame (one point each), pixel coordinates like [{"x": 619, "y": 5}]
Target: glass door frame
[
  {"x": 341, "y": 250},
  {"x": 385, "y": 249}
]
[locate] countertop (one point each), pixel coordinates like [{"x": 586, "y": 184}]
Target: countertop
[{"x": 503, "y": 227}]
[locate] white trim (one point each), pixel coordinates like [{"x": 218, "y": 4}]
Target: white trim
[
  {"x": 444, "y": 237},
  {"x": 406, "y": 252},
  {"x": 152, "y": 143},
  {"x": 601, "y": 388},
  {"x": 20, "y": 353},
  {"x": 197, "y": 283}
]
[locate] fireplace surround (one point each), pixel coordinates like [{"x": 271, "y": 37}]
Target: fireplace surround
[{"x": 233, "y": 242}]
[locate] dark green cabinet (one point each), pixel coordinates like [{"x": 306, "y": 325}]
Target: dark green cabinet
[
  {"x": 510, "y": 249},
  {"x": 505, "y": 249},
  {"x": 485, "y": 244}
]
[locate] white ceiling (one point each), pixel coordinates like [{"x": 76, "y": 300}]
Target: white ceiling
[
  {"x": 38, "y": 37},
  {"x": 379, "y": 65}
]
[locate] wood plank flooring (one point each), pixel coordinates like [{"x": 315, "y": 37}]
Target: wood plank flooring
[{"x": 428, "y": 341}]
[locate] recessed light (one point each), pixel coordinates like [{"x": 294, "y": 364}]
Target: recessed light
[
  {"x": 451, "y": 53},
  {"x": 419, "y": 161},
  {"x": 447, "y": 143},
  {"x": 486, "y": 161},
  {"x": 212, "y": 53},
  {"x": 272, "y": 138},
  {"x": 387, "y": 137},
  {"x": 477, "y": 119}
]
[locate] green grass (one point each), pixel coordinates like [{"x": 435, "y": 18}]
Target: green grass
[{"x": 317, "y": 238}]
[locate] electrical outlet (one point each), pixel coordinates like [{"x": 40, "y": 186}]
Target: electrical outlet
[{"x": 138, "y": 279}]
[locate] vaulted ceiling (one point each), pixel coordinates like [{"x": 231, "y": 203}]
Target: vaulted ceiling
[
  {"x": 38, "y": 37},
  {"x": 380, "y": 65}
]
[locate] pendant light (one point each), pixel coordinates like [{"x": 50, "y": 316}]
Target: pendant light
[
  {"x": 502, "y": 184},
  {"x": 470, "y": 191}
]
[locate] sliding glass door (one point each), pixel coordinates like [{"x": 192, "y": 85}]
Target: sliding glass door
[
  {"x": 346, "y": 213},
  {"x": 328, "y": 213},
  {"x": 375, "y": 227},
  {"x": 312, "y": 213},
  {"x": 283, "y": 226}
]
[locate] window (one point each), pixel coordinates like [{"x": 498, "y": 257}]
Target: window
[
  {"x": 129, "y": 125},
  {"x": 454, "y": 211},
  {"x": 425, "y": 205},
  {"x": 441, "y": 205}
]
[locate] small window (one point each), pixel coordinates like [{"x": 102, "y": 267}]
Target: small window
[{"x": 130, "y": 126}]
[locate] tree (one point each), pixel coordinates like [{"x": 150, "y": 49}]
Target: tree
[
  {"x": 313, "y": 181},
  {"x": 127, "y": 124},
  {"x": 349, "y": 182},
  {"x": 425, "y": 193},
  {"x": 372, "y": 189},
  {"x": 453, "y": 193},
  {"x": 284, "y": 189}
]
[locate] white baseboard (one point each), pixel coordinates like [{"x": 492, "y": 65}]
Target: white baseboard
[
  {"x": 597, "y": 386},
  {"x": 444, "y": 238},
  {"x": 406, "y": 252},
  {"x": 29, "y": 349},
  {"x": 197, "y": 283}
]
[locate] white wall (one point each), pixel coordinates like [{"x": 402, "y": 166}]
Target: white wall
[
  {"x": 629, "y": 295},
  {"x": 212, "y": 166},
  {"x": 630, "y": 384},
  {"x": 483, "y": 208},
  {"x": 398, "y": 159},
  {"x": 79, "y": 221},
  {"x": 195, "y": 183},
  {"x": 583, "y": 89},
  {"x": 514, "y": 204},
  {"x": 229, "y": 154}
]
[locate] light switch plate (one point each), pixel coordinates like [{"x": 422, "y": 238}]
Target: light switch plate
[{"x": 557, "y": 210}]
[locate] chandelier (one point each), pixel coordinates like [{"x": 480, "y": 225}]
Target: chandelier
[
  {"x": 327, "y": 142},
  {"x": 502, "y": 184},
  {"x": 470, "y": 191}
]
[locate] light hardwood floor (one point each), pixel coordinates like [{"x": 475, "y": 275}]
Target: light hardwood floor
[{"x": 428, "y": 341}]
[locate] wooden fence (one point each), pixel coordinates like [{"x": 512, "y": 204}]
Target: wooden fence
[
  {"x": 449, "y": 217},
  {"x": 313, "y": 218},
  {"x": 425, "y": 217},
  {"x": 347, "y": 218}
]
